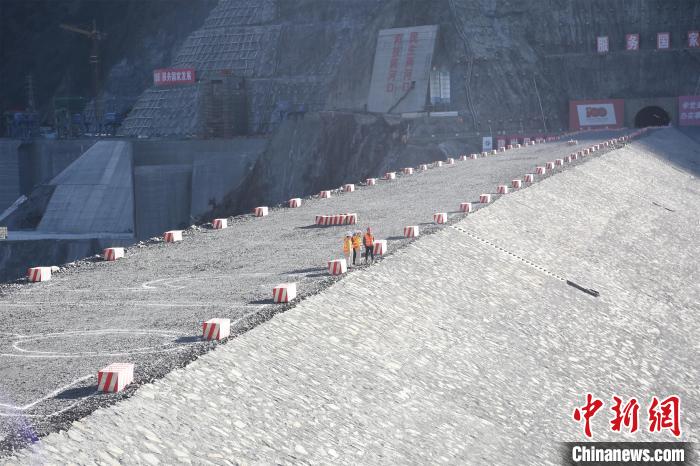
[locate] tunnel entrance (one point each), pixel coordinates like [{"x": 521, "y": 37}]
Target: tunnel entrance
[{"x": 651, "y": 116}]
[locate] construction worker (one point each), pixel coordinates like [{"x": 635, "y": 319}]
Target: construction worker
[
  {"x": 369, "y": 245},
  {"x": 347, "y": 246},
  {"x": 356, "y": 243}
]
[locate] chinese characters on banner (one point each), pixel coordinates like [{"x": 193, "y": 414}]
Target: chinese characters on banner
[
  {"x": 632, "y": 42},
  {"x": 3, "y": 233},
  {"x": 410, "y": 58},
  {"x": 170, "y": 76},
  {"x": 693, "y": 39},
  {"x": 394, "y": 63},
  {"x": 689, "y": 110},
  {"x": 603, "y": 44},
  {"x": 663, "y": 41},
  {"x": 661, "y": 414}
]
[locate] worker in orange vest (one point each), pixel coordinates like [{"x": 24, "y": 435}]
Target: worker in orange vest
[
  {"x": 347, "y": 246},
  {"x": 356, "y": 244},
  {"x": 369, "y": 245}
]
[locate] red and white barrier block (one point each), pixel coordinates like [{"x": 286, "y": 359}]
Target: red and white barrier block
[
  {"x": 559, "y": 162},
  {"x": 474, "y": 156},
  {"x": 423, "y": 167},
  {"x": 502, "y": 189},
  {"x": 485, "y": 198},
  {"x": 465, "y": 207},
  {"x": 337, "y": 266},
  {"x": 261, "y": 211},
  {"x": 326, "y": 220},
  {"x": 172, "y": 236},
  {"x": 484, "y": 154},
  {"x": 379, "y": 247},
  {"x": 390, "y": 176},
  {"x": 463, "y": 158},
  {"x": 509, "y": 147},
  {"x": 411, "y": 231},
  {"x": 529, "y": 178},
  {"x": 549, "y": 165},
  {"x": 408, "y": 171},
  {"x": 437, "y": 163},
  {"x": 440, "y": 217},
  {"x": 284, "y": 292},
  {"x": 216, "y": 329},
  {"x": 39, "y": 274},
  {"x": 349, "y": 188},
  {"x": 540, "y": 170},
  {"x": 219, "y": 223},
  {"x": 294, "y": 202},
  {"x": 450, "y": 161},
  {"x": 501, "y": 149},
  {"x": 573, "y": 156},
  {"x": 371, "y": 181},
  {"x": 112, "y": 254},
  {"x": 350, "y": 219},
  {"x": 516, "y": 184},
  {"x": 494, "y": 152},
  {"x": 324, "y": 194},
  {"x": 115, "y": 377}
]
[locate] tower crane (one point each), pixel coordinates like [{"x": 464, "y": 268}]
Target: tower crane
[{"x": 96, "y": 37}]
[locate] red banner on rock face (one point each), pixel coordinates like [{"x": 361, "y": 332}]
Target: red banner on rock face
[
  {"x": 689, "y": 110},
  {"x": 172, "y": 76},
  {"x": 596, "y": 114}
]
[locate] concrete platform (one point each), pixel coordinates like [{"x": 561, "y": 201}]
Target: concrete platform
[{"x": 217, "y": 272}]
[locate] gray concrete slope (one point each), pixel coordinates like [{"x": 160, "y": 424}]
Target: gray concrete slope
[
  {"x": 94, "y": 193},
  {"x": 464, "y": 348},
  {"x": 147, "y": 309}
]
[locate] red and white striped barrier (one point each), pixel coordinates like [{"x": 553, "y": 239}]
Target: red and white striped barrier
[
  {"x": 494, "y": 152},
  {"x": 219, "y": 223},
  {"x": 518, "y": 146},
  {"x": 261, "y": 211},
  {"x": 440, "y": 217},
  {"x": 559, "y": 162},
  {"x": 216, "y": 329},
  {"x": 463, "y": 158},
  {"x": 484, "y": 154},
  {"x": 529, "y": 178},
  {"x": 112, "y": 254},
  {"x": 337, "y": 266},
  {"x": 115, "y": 377},
  {"x": 540, "y": 170},
  {"x": 509, "y": 146},
  {"x": 573, "y": 156},
  {"x": 326, "y": 220},
  {"x": 485, "y": 198},
  {"x": 465, "y": 207},
  {"x": 39, "y": 274},
  {"x": 284, "y": 292},
  {"x": 502, "y": 189},
  {"x": 516, "y": 184},
  {"x": 450, "y": 161},
  {"x": 474, "y": 156},
  {"x": 294, "y": 202},
  {"x": 567, "y": 159},
  {"x": 325, "y": 194},
  {"x": 349, "y": 188},
  {"x": 549, "y": 165},
  {"x": 390, "y": 176},
  {"x": 501, "y": 149},
  {"x": 585, "y": 152},
  {"x": 350, "y": 219},
  {"x": 437, "y": 163},
  {"x": 408, "y": 171},
  {"x": 371, "y": 181},
  {"x": 571, "y": 142},
  {"x": 411, "y": 231},
  {"x": 172, "y": 236},
  {"x": 379, "y": 247},
  {"x": 423, "y": 167}
]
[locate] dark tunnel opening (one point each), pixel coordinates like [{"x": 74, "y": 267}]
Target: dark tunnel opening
[{"x": 651, "y": 116}]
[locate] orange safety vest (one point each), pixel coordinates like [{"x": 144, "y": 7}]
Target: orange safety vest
[
  {"x": 369, "y": 239},
  {"x": 356, "y": 241},
  {"x": 347, "y": 242}
]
